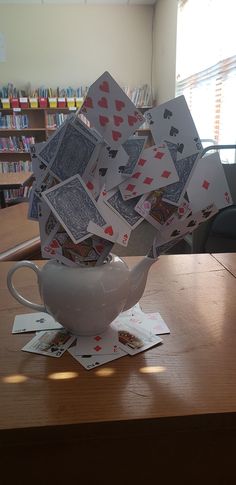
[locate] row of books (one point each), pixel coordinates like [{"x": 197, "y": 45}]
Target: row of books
[
  {"x": 10, "y": 91},
  {"x": 55, "y": 120},
  {"x": 141, "y": 97},
  {"x": 13, "y": 194},
  {"x": 21, "y": 166},
  {"x": 14, "y": 121},
  {"x": 16, "y": 143}
]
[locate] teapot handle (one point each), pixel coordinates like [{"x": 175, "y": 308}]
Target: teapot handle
[{"x": 14, "y": 292}]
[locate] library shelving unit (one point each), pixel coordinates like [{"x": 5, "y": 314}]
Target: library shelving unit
[{"x": 25, "y": 122}]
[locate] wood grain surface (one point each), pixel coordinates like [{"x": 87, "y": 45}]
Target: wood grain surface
[
  {"x": 14, "y": 179},
  {"x": 166, "y": 415},
  {"x": 16, "y": 229},
  {"x": 191, "y": 373}
]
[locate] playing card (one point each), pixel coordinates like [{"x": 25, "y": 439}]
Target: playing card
[
  {"x": 31, "y": 322},
  {"x": 76, "y": 150},
  {"x": 38, "y": 166},
  {"x": 208, "y": 184},
  {"x": 133, "y": 339},
  {"x": 47, "y": 221},
  {"x": 160, "y": 213},
  {"x": 102, "y": 344},
  {"x": 185, "y": 167},
  {"x": 187, "y": 225},
  {"x": 49, "y": 149},
  {"x": 110, "y": 111},
  {"x": 110, "y": 167},
  {"x": 33, "y": 204},
  {"x": 172, "y": 121},
  {"x": 153, "y": 170},
  {"x": 59, "y": 245},
  {"x": 122, "y": 229},
  {"x": 124, "y": 209},
  {"x": 52, "y": 343},
  {"x": 158, "y": 247},
  {"x": 150, "y": 322},
  {"x": 91, "y": 361},
  {"x": 133, "y": 147},
  {"x": 74, "y": 207}
]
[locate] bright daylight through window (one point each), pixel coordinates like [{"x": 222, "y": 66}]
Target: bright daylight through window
[{"x": 206, "y": 68}]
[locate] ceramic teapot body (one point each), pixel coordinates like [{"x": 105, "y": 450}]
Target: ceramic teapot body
[{"x": 85, "y": 300}]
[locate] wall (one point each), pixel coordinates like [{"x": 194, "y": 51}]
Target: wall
[
  {"x": 164, "y": 52},
  {"x": 74, "y": 44}
]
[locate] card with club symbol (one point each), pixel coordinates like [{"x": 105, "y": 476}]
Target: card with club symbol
[{"x": 31, "y": 322}]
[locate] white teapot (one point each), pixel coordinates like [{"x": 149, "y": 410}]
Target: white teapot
[{"x": 85, "y": 300}]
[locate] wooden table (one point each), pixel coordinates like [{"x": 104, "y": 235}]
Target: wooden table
[
  {"x": 167, "y": 413},
  {"x": 12, "y": 180},
  {"x": 19, "y": 235}
]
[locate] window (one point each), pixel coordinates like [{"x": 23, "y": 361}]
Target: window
[{"x": 206, "y": 68}]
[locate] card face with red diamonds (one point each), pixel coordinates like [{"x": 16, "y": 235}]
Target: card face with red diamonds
[
  {"x": 110, "y": 111},
  {"x": 153, "y": 170},
  {"x": 208, "y": 184},
  {"x": 102, "y": 344}
]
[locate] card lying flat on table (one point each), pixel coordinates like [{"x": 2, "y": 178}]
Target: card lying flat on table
[
  {"x": 31, "y": 322},
  {"x": 51, "y": 343},
  {"x": 91, "y": 361},
  {"x": 132, "y": 338}
]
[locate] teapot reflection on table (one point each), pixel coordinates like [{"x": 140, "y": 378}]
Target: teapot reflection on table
[{"x": 85, "y": 300}]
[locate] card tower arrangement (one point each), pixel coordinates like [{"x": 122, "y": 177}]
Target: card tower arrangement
[{"x": 97, "y": 181}]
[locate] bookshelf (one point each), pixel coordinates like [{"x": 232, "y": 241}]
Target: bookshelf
[{"x": 20, "y": 127}]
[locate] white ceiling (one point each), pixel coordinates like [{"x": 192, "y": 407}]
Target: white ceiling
[{"x": 80, "y": 2}]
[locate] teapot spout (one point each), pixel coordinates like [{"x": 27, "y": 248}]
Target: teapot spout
[{"x": 138, "y": 279}]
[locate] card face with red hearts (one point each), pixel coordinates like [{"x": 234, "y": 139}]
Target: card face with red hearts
[
  {"x": 154, "y": 169},
  {"x": 208, "y": 184},
  {"x": 59, "y": 246},
  {"x": 110, "y": 111},
  {"x": 121, "y": 227}
]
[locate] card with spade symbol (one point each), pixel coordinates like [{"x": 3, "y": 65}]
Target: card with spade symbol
[
  {"x": 187, "y": 225},
  {"x": 32, "y": 322},
  {"x": 172, "y": 121},
  {"x": 110, "y": 111},
  {"x": 74, "y": 207},
  {"x": 110, "y": 166},
  {"x": 208, "y": 184}
]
